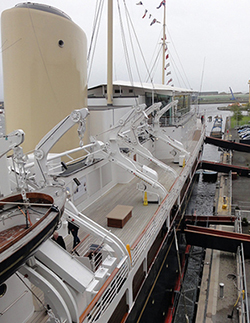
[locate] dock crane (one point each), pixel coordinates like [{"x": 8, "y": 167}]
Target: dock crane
[{"x": 235, "y": 102}]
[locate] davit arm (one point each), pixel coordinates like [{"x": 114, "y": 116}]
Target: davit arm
[
  {"x": 158, "y": 132},
  {"x": 50, "y": 139},
  {"x": 7, "y": 143},
  {"x": 112, "y": 153},
  {"x": 138, "y": 118}
]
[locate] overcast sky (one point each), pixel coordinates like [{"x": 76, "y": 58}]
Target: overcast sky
[{"x": 208, "y": 41}]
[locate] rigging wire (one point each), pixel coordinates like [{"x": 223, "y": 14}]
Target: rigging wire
[
  {"x": 177, "y": 71},
  {"x": 2, "y": 49},
  {"x": 125, "y": 45},
  {"x": 42, "y": 56},
  {"x": 93, "y": 42},
  {"x": 130, "y": 26},
  {"x": 154, "y": 53},
  {"x": 202, "y": 75},
  {"x": 96, "y": 26},
  {"x": 179, "y": 59},
  {"x": 155, "y": 64},
  {"x": 130, "y": 37},
  {"x": 93, "y": 31},
  {"x": 139, "y": 46}
]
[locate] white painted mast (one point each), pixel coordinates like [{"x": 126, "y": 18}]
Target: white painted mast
[
  {"x": 110, "y": 54},
  {"x": 164, "y": 44}
]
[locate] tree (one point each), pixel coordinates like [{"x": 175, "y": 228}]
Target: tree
[
  {"x": 248, "y": 108},
  {"x": 237, "y": 113}
]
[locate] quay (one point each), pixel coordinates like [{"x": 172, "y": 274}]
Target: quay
[{"x": 225, "y": 284}]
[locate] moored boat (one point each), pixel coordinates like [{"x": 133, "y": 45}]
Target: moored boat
[
  {"x": 216, "y": 130},
  {"x": 24, "y": 225}
]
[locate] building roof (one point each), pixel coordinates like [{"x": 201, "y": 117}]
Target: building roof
[{"x": 158, "y": 88}]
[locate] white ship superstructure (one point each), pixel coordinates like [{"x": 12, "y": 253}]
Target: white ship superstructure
[{"x": 126, "y": 183}]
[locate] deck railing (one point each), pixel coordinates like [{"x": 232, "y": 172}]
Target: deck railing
[
  {"x": 243, "y": 296},
  {"x": 90, "y": 247},
  {"x": 106, "y": 294},
  {"x": 113, "y": 284},
  {"x": 157, "y": 221}
]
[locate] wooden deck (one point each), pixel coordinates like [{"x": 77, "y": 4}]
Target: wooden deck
[{"x": 127, "y": 194}]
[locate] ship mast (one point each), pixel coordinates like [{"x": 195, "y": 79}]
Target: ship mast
[
  {"x": 164, "y": 43},
  {"x": 110, "y": 54}
]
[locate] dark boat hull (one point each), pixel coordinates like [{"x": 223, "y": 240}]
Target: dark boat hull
[
  {"x": 9, "y": 266},
  {"x": 23, "y": 245},
  {"x": 161, "y": 275}
]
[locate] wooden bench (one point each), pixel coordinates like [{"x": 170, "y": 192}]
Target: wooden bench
[{"x": 119, "y": 216}]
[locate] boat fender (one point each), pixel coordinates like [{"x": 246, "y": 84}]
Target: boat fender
[
  {"x": 54, "y": 208},
  {"x": 129, "y": 252}
]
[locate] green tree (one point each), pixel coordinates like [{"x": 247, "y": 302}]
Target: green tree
[
  {"x": 248, "y": 108},
  {"x": 237, "y": 113}
]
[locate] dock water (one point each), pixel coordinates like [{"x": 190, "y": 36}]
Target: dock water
[{"x": 221, "y": 287}]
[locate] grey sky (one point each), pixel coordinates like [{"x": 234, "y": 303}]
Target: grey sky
[{"x": 209, "y": 33}]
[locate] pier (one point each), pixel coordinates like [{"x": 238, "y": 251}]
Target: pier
[
  {"x": 224, "y": 168},
  {"x": 217, "y": 239},
  {"x": 227, "y": 144},
  {"x": 205, "y": 220},
  {"x": 225, "y": 280}
]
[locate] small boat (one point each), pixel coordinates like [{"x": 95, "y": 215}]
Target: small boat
[
  {"x": 216, "y": 131},
  {"x": 24, "y": 225},
  {"x": 209, "y": 176}
]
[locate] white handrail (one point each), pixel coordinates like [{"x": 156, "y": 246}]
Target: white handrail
[{"x": 164, "y": 210}]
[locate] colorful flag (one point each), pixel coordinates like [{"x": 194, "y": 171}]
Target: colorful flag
[
  {"x": 139, "y": 3},
  {"x": 167, "y": 65},
  {"x": 145, "y": 13},
  {"x": 169, "y": 81},
  {"x": 168, "y": 73},
  {"x": 167, "y": 56},
  {"x": 150, "y": 16},
  {"x": 161, "y": 4},
  {"x": 154, "y": 21}
]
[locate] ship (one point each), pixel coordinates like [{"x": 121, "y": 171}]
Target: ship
[
  {"x": 216, "y": 130},
  {"x": 123, "y": 189}
]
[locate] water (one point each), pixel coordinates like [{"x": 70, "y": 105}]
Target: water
[
  {"x": 201, "y": 201},
  {"x": 202, "y": 197}
]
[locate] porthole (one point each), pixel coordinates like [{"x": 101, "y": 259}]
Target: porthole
[
  {"x": 61, "y": 43},
  {"x": 3, "y": 289}
]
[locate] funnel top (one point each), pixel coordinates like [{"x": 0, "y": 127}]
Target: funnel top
[{"x": 43, "y": 7}]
